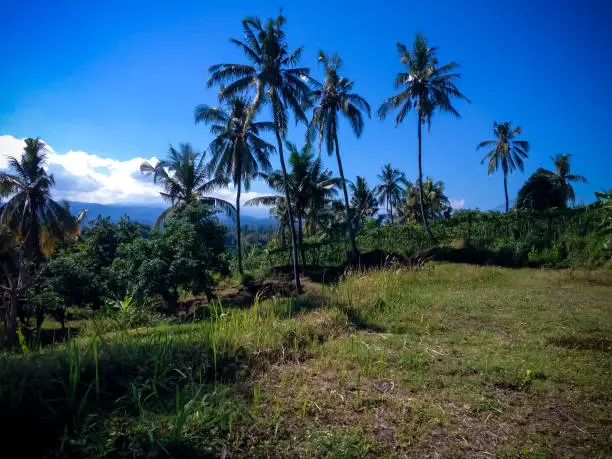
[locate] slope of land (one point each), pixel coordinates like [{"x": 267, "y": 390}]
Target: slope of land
[{"x": 447, "y": 361}]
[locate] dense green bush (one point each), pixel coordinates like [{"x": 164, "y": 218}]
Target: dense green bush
[
  {"x": 553, "y": 238},
  {"x": 183, "y": 255}
]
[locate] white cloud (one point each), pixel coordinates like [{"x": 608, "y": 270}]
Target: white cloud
[
  {"x": 457, "y": 203},
  {"x": 85, "y": 177}
]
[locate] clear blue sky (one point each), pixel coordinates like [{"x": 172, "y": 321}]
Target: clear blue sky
[{"x": 121, "y": 79}]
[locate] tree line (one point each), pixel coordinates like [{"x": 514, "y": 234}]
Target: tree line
[{"x": 187, "y": 242}]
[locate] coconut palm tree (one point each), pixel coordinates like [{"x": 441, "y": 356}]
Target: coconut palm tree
[
  {"x": 562, "y": 174},
  {"x": 435, "y": 203},
  {"x": 30, "y": 211},
  {"x": 333, "y": 97},
  {"x": 311, "y": 186},
  {"x": 185, "y": 178},
  {"x": 391, "y": 188},
  {"x": 238, "y": 153},
  {"x": 507, "y": 152},
  {"x": 363, "y": 202},
  {"x": 273, "y": 76},
  {"x": 425, "y": 87}
]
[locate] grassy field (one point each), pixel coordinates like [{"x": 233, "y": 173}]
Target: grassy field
[{"x": 448, "y": 361}]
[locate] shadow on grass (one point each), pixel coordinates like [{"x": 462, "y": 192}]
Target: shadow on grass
[
  {"x": 362, "y": 322},
  {"x": 480, "y": 256},
  {"x": 585, "y": 343},
  {"x": 368, "y": 260},
  {"x": 46, "y": 395}
]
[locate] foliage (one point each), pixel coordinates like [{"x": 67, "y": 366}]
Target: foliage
[
  {"x": 548, "y": 189},
  {"x": 179, "y": 389},
  {"x": 393, "y": 185},
  {"x": 73, "y": 276},
  {"x": 562, "y": 174},
  {"x": 30, "y": 211},
  {"x": 274, "y": 78},
  {"x": 185, "y": 178},
  {"x": 40, "y": 304},
  {"x": 238, "y": 153},
  {"x": 606, "y": 222},
  {"x": 540, "y": 192},
  {"x": 332, "y": 97},
  {"x": 363, "y": 202},
  {"x": 311, "y": 188},
  {"x": 507, "y": 152},
  {"x": 79, "y": 273},
  {"x": 435, "y": 203},
  {"x": 555, "y": 238},
  {"x": 182, "y": 255},
  {"x": 425, "y": 87}
]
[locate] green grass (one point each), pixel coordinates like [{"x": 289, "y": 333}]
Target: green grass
[{"x": 452, "y": 360}]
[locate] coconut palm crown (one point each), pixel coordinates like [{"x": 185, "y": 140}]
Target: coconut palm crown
[
  {"x": 30, "y": 211},
  {"x": 238, "y": 153},
  {"x": 272, "y": 76},
  {"x": 563, "y": 175},
  {"x": 332, "y": 98},
  {"x": 390, "y": 190},
  {"x": 185, "y": 178},
  {"x": 507, "y": 152},
  {"x": 425, "y": 86}
]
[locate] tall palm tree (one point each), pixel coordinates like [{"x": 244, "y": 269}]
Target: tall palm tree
[
  {"x": 310, "y": 186},
  {"x": 363, "y": 202},
  {"x": 391, "y": 188},
  {"x": 332, "y": 97},
  {"x": 507, "y": 151},
  {"x": 426, "y": 87},
  {"x": 273, "y": 77},
  {"x": 238, "y": 153},
  {"x": 185, "y": 178},
  {"x": 563, "y": 175},
  {"x": 30, "y": 211}
]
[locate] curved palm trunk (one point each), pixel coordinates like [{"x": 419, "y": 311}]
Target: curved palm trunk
[
  {"x": 238, "y": 240},
  {"x": 425, "y": 222},
  {"x": 506, "y": 189},
  {"x": 296, "y": 274},
  {"x": 390, "y": 210},
  {"x": 354, "y": 253}
]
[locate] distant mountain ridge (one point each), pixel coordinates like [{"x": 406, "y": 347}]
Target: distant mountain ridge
[{"x": 148, "y": 214}]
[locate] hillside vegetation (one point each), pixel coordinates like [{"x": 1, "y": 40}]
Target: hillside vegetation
[{"x": 447, "y": 360}]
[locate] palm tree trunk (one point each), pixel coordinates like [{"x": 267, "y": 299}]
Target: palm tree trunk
[
  {"x": 387, "y": 202},
  {"x": 238, "y": 240},
  {"x": 391, "y": 210},
  {"x": 301, "y": 239},
  {"x": 354, "y": 253},
  {"x": 506, "y": 189},
  {"x": 425, "y": 222},
  {"x": 296, "y": 274}
]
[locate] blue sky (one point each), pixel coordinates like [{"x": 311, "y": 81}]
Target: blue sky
[{"x": 120, "y": 80}]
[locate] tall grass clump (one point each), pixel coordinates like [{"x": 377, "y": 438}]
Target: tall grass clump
[{"x": 61, "y": 390}]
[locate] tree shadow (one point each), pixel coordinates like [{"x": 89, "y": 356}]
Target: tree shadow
[{"x": 480, "y": 256}]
